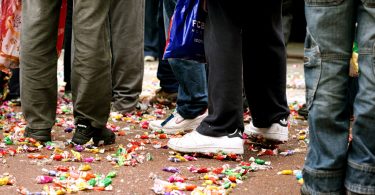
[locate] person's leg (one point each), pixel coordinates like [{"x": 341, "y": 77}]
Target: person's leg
[
  {"x": 91, "y": 71},
  {"x": 14, "y": 84},
  {"x": 38, "y": 65},
  {"x": 327, "y": 57},
  {"x": 360, "y": 170},
  {"x": 68, "y": 47},
  {"x": 127, "y": 26},
  {"x": 191, "y": 99},
  {"x": 265, "y": 77},
  {"x": 224, "y": 56},
  {"x": 287, "y": 19},
  {"x": 167, "y": 93},
  {"x": 192, "y": 92},
  {"x": 221, "y": 129},
  {"x": 151, "y": 38}
]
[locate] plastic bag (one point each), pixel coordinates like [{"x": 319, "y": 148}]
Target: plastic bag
[{"x": 185, "y": 36}]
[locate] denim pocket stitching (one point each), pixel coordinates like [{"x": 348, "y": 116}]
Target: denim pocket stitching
[
  {"x": 323, "y": 173},
  {"x": 363, "y": 167}
]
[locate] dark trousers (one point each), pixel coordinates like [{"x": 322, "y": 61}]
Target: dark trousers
[
  {"x": 244, "y": 47},
  {"x": 151, "y": 39},
  {"x": 68, "y": 46},
  {"x": 14, "y": 84},
  {"x": 168, "y": 81}
]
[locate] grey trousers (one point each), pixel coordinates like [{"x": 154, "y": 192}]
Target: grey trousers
[
  {"x": 91, "y": 77},
  {"x": 127, "y": 37}
]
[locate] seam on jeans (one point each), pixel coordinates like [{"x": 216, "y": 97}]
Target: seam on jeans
[
  {"x": 360, "y": 189},
  {"x": 307, "y": 190},
  {"x": 335, "y": 56},
  {"x": 363, "y": 167},
  {"x": 323, "y": 173},
  {"x": 365, "y": 51}
]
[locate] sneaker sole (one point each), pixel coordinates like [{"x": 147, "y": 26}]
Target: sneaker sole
[
  {"x": 100, "y": 142},
  {"x": 207, "y": 149},
  {"x": 176, "y": 130},
  {"x": 173, "y": 131},
  {"x": 269, "y": 136}
]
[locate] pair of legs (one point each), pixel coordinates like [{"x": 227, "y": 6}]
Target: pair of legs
[
  {"x": 333, "y": 165},
  {"x": 237, "y": 54},
  {"x": 91, "y": 76}
]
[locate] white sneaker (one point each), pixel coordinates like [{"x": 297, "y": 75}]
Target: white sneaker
[
  {"x": 277, "y": 132},
  {"x": 176, "y": 123},
  {"x": 150, "y": 59},
  {"x": 196, "y": 142}
]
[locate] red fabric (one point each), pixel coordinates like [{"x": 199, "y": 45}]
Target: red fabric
[
  {"x": 10, "y": 28},
  {"x": 61, "y": 30}
]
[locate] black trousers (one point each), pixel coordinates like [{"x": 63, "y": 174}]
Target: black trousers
[
  {"x": 244, "y": 48},
  {"x": 68, "y": 46}
]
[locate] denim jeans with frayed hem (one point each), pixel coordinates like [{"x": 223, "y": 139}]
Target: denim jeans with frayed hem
[{"x": 333, "y": 164}]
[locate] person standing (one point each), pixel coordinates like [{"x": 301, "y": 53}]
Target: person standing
[
  {"x": 192, "y": 92},
  {"x": 333, "y": 165},
  {"x": 236, "y": 58},
  {"x": 91, "y": 71}
]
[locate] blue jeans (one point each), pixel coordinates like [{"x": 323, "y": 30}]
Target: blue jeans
[
  {"x": 332, "y": 163},
  {"x": 192, "y": 97}
]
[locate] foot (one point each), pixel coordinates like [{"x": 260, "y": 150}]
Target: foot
[
  {"x": 196, "y": 142},
  {"x": 139, "y": 108},
  {"x": 276, "y": 132},
  {"x": 84, "y": 132},
  {"x": 303, "y": 111},
  {"x": 16, "y": 102},
  {"x": 163, "y": 97},
  {"x": 42, "y": 135},
  {"x": 150, "y": 59},
  {"x": 176, "y": 123}
]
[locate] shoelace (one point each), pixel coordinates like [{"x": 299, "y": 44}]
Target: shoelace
[{"x": 170, "y": 117}]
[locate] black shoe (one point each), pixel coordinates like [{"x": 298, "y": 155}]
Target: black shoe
[
  {"x": 42, "y": 135},
  {"x": 303, "y": 111},
  {"x": 104, "y": 137},
  {"x": 84, "y": 132}
]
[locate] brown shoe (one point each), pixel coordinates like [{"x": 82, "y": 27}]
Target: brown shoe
[{"x": 163, "y": 97}]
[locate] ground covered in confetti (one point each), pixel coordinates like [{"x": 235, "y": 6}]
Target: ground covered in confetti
[{"x": 140, "y": 162}]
